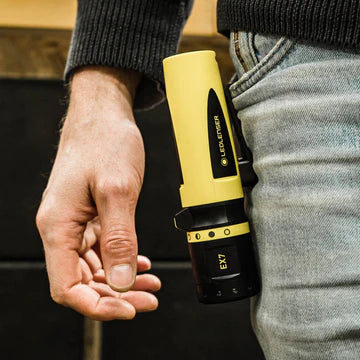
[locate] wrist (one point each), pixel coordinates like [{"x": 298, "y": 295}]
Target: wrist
[{"x": 104, "y": 87}]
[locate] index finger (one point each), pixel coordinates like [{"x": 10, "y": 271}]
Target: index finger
[{"x": 64, "y": 269}]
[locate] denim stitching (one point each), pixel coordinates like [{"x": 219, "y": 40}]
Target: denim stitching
[
  {"x": 235, "y": 51},
  {"x": 272, "y": 59},
  {"x": 250, "y": 38},
  {"x": 247, "y": 54}
]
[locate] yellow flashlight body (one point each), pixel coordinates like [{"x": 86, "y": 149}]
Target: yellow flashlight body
[{"x": 211, "y": 192}]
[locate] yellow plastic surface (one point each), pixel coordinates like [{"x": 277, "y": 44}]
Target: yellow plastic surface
[
  {"x": 218, "y": 233},
  {"x": 188, "y": 79}
]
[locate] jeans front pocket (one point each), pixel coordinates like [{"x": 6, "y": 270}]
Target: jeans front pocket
[{"x": 254, "y": 56}]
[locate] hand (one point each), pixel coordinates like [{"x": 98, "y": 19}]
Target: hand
[{"x": 86, "y": 217}]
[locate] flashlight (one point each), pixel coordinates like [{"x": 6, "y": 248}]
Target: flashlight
[{"x": 211, "y": 193}]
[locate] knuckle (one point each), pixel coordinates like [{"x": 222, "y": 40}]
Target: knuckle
[
  {"x": 119, "y": 187},
  {"x": 40, "y": 219},
  {"x": 43, "y": 217},
  {"x": 45, "y": 214},
  {"x": 120, "y": 242},
  {"x": 58, "y": 297},
  {"x": 45, "y": 223}
]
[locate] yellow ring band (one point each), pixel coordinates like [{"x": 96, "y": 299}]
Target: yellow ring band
[{"x": 218, "y": 233}]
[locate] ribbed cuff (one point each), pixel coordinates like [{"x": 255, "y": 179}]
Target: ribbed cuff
[
  {"x": 330, "y": 22},
  {"x": 131, "y": 34}
]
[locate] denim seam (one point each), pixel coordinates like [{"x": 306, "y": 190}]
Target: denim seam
[
  {"x": 272, "y": 59},
  {"x": 250, "y": 38},
  {"x": 246, "y": 50},
  {"x": 234, "y": 47}
]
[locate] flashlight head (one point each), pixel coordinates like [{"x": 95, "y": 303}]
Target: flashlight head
[{"x": 220, "y": 250}]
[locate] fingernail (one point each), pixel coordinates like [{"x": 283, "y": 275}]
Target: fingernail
[
  {"x": 121, "y": 276},
  {"x": 148, "y": 263}
]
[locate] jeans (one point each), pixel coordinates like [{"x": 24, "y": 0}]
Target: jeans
[{"x": 299, "y": 107}]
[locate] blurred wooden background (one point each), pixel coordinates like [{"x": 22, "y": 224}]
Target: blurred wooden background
[
  {"x": 48, "y": 14},
  {"x": 35, "y": 36},
  {"x": 52, "y": 14}
]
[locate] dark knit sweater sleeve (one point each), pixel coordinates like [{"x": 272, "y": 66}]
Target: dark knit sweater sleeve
[
  {"x": 332, "y": 22},
  {"x": 131, "y": 34}
]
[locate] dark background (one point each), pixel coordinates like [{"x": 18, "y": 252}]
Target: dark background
[{"x": 34, "y": 327}]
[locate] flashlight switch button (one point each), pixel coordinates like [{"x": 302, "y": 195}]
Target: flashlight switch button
[{"x": 184, "y": 220}]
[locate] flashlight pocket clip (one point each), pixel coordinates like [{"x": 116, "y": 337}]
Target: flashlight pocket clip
[{"x": 244, "y": 155}]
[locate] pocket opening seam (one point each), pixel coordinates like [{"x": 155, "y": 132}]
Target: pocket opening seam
[{"x": 273, "y": 58}]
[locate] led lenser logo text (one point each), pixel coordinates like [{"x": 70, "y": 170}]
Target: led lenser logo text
[{"x": 223, "y": 160}]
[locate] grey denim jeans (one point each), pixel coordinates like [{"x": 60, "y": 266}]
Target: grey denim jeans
[{"x": 299, "y": 107}]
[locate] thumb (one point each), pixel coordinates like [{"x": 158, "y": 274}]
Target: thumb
[{"x": 118, "y": 243}]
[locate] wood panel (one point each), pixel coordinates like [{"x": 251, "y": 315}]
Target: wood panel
[
  {"x": 202, "y": 20},
  {"x": 33, "y": 53},
  {"x": 41, "y": 54},
  {"x": 52, "y": 14}
]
